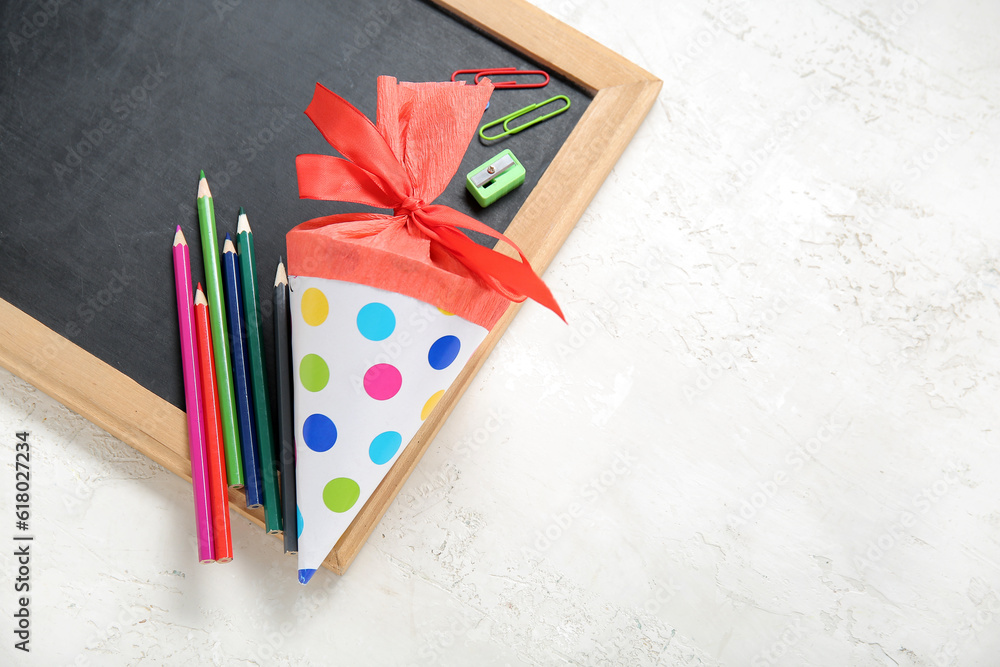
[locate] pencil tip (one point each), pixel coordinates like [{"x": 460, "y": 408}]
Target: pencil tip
[
  {"x": 179, "y": 237},
  {"x": 199, "y": 297},
  {"x": 228, "y": 246},
  {"x": 306, "y": 575},
  {"x": 280, "y": 277},
  {"x": 244, "y": 224},
  {"x": 203, "y": 190},
  {"x": 203, "y": 173}
]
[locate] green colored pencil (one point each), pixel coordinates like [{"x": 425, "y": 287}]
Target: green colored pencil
[
  {"x": 258, "y": 376},
  {"x": 220, "y": 333}
]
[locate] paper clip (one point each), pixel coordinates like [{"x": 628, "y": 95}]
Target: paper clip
[
  {"x": 498, "y": 70},
  {"x": 510, "y": 71},
  {"x": 505, "y": 121}
]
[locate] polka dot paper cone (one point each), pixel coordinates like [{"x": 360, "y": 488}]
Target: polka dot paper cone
[
  {"x": 369, "y": 366},
  {"x": 374, "y": 341}
]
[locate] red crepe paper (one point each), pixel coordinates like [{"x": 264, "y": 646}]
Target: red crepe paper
[{"x": 403, "y": 164}]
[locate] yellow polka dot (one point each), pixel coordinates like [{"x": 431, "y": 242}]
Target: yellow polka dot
[
  {"x": 430, "y": 404},
  {"x": 445, "y": 312},
  {"x": 314, "y": 307}
]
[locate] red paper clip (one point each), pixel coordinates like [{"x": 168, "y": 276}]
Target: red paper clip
[
  {"x": 510, "y": 71},
  {"x": 454, "y": 75}
]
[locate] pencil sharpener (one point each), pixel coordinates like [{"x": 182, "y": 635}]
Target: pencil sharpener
[{"x": 494, "y": 178}]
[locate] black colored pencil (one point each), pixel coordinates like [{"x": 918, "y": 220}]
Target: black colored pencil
[{"x": 286, "y": 427}]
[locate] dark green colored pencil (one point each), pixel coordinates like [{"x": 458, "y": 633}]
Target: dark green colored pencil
[{"x": 258, "y": 376}]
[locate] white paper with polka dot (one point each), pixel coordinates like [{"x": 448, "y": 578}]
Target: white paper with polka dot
[{"x": 368, "y": 367}]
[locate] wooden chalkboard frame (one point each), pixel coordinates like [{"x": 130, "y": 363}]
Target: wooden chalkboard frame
[{"x": 623, "y": 94}]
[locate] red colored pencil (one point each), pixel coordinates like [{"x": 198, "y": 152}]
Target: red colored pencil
[
  {"x": 193, "y": 404},
  {"x": 222, "y": 533}
]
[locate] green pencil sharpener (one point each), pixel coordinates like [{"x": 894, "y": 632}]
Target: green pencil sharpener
[{"x": 494, "y": 178}]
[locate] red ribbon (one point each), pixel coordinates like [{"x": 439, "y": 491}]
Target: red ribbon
[{"x": 372, "y": 175}]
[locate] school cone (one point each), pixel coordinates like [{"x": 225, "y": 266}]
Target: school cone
[{"x": 386, "y": 310}]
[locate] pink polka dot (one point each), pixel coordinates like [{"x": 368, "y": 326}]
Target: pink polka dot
[{"x": 382, "y": 381}]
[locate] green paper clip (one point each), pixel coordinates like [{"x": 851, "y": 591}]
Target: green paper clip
[
  {"x": 494, "y": 178},
  {"x": 507, "y": 130}
]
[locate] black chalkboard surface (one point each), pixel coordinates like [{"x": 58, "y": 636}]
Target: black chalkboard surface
[{"x": 109, "y": 111}]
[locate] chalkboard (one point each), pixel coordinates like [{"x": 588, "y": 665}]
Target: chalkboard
[{"x": 110, "y": 111}]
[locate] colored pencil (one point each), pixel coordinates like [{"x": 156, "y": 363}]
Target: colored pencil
[
  {"x": 217, "y": 487},
  {"x": 220, "y": 343},
  {"x": 258, "y": 376},
  {"x": 286, "y": 427},
  {"x": 192, "y": 397},
  {"x": 241, "y": 374}
]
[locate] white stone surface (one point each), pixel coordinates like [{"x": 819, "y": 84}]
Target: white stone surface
[{"x": 768, "y": 436}]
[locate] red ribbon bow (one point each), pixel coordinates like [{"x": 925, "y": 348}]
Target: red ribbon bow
[{"x": 373, "y": 175}]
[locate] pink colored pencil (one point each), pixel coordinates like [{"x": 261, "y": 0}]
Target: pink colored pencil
[{"x": 192, "y": 398}]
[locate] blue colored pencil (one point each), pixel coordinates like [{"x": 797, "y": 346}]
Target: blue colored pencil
[{"x": 241, "y": 374}]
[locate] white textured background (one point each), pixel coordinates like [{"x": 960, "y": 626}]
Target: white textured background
[{"x": 767, "y": 437}]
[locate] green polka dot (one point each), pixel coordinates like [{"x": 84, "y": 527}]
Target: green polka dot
[
  {"x": 339, "y": 495},
  {"x": 313, "y": 372}
]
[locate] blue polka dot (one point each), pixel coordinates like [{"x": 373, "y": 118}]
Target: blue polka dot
[
  {"x": 376, "y": 321},
  {"x": 443, "y": 352},
  {"x": 319, "y": 433},
  {"x": 384, "y": 447},
  {"x": 298, "y": 517}
]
